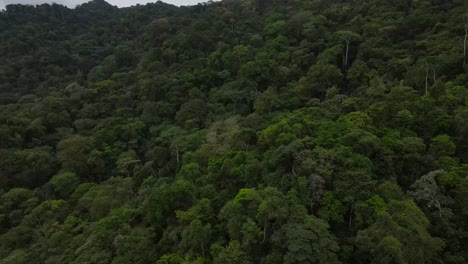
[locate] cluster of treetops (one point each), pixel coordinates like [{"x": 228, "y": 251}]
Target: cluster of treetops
[{"x": 235, "y": 132}]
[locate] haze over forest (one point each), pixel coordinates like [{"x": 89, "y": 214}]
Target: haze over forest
[
  {"x": 74, "y": 3},
  {"x": 235, "y": 132}
]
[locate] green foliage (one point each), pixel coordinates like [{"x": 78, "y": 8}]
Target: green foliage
[
  {"x": 165, "y": 199},
  {"x": 64, "y": 184},
  {"x": 331, "y": 209},
  {"x": 234, "y": 132},
  {"x": 400, "y": 234},
  {"x": 232, "y": 254},
  {"x": 307, "y": 242},
  {"x": 73, "y": 154}
]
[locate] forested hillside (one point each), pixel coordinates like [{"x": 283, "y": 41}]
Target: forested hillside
[{"x": 235, "y": 132}]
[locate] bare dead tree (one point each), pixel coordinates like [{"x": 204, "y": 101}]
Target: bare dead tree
[
  {"x": 348, "y": 37},
  {"x": 348, "y": 40}
]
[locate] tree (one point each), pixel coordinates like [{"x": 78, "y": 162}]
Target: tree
[
  {"x": 358, "y": 74},
  {"x": 331, "y": 209},
  {"x": 192, "y": 111},
  {"x": 232, "y": 254},
  {"x": 430, "y": 194},
  {"x": 46, "y": 215},
  {"x": 27, "y": 167},
  {"x": 267, "y": 101},
  {"x": 273, "y": 207},
  {"x": 388, "y": 251},
  {"x": 64, "y": 184},
  {"x": 128, "y": 163},
  {"x": 170, "y": 259},
  {"x": 442, "y": 145},
  {"x": 201, "y": 211},
  {"x": 309, "y": 242},
  {"x": 15, "y": 204},
  {"x": 303, "y": 238},
  {"x": 124, "y": 56},
  {"x": 73, "y": 153},
  {"x": 321, "y": 77},
  {"x": 401, "y": 235},
  {"x": 17, "y": 256},
  {"x": 165, "y": 199},
  {"x": 196, "y": 238},
  {"x": 136, "y": 246},
  {"x": 97, "y": 201},
  {"x": 346, "y": 36},
  {"x": 159, "y": 28}
]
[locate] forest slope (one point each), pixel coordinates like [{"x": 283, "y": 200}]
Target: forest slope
[{"x": 251, "y": 131}]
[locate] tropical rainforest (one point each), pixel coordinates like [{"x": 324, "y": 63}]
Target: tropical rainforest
[{"x": 235, "y": 132}]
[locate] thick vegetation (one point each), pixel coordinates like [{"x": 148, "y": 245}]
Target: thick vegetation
[{"x": 235, "y": 132}]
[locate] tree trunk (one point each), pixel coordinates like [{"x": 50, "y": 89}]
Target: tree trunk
[
  {"x": 42, "y": 230},
  {"x": 464, "y": 43},
  {"x": 434, "y": 72},
  {"x": 293, "y": 170},
  {"x": 427, "y": 76},
  {"x": 347, "y": 52},
  {"x": 439, "y": 207},
  {"x": 350, "y": 221},
  {"x": 202, "y": 248},
  {"x": 264, "y": 231},
  {"x": 177, "y": 156}
]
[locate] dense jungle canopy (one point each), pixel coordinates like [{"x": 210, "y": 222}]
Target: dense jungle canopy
[{"x": 235, "y": 132}]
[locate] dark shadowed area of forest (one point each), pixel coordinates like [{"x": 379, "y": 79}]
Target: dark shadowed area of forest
[{"x": 235, "y": 132}]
